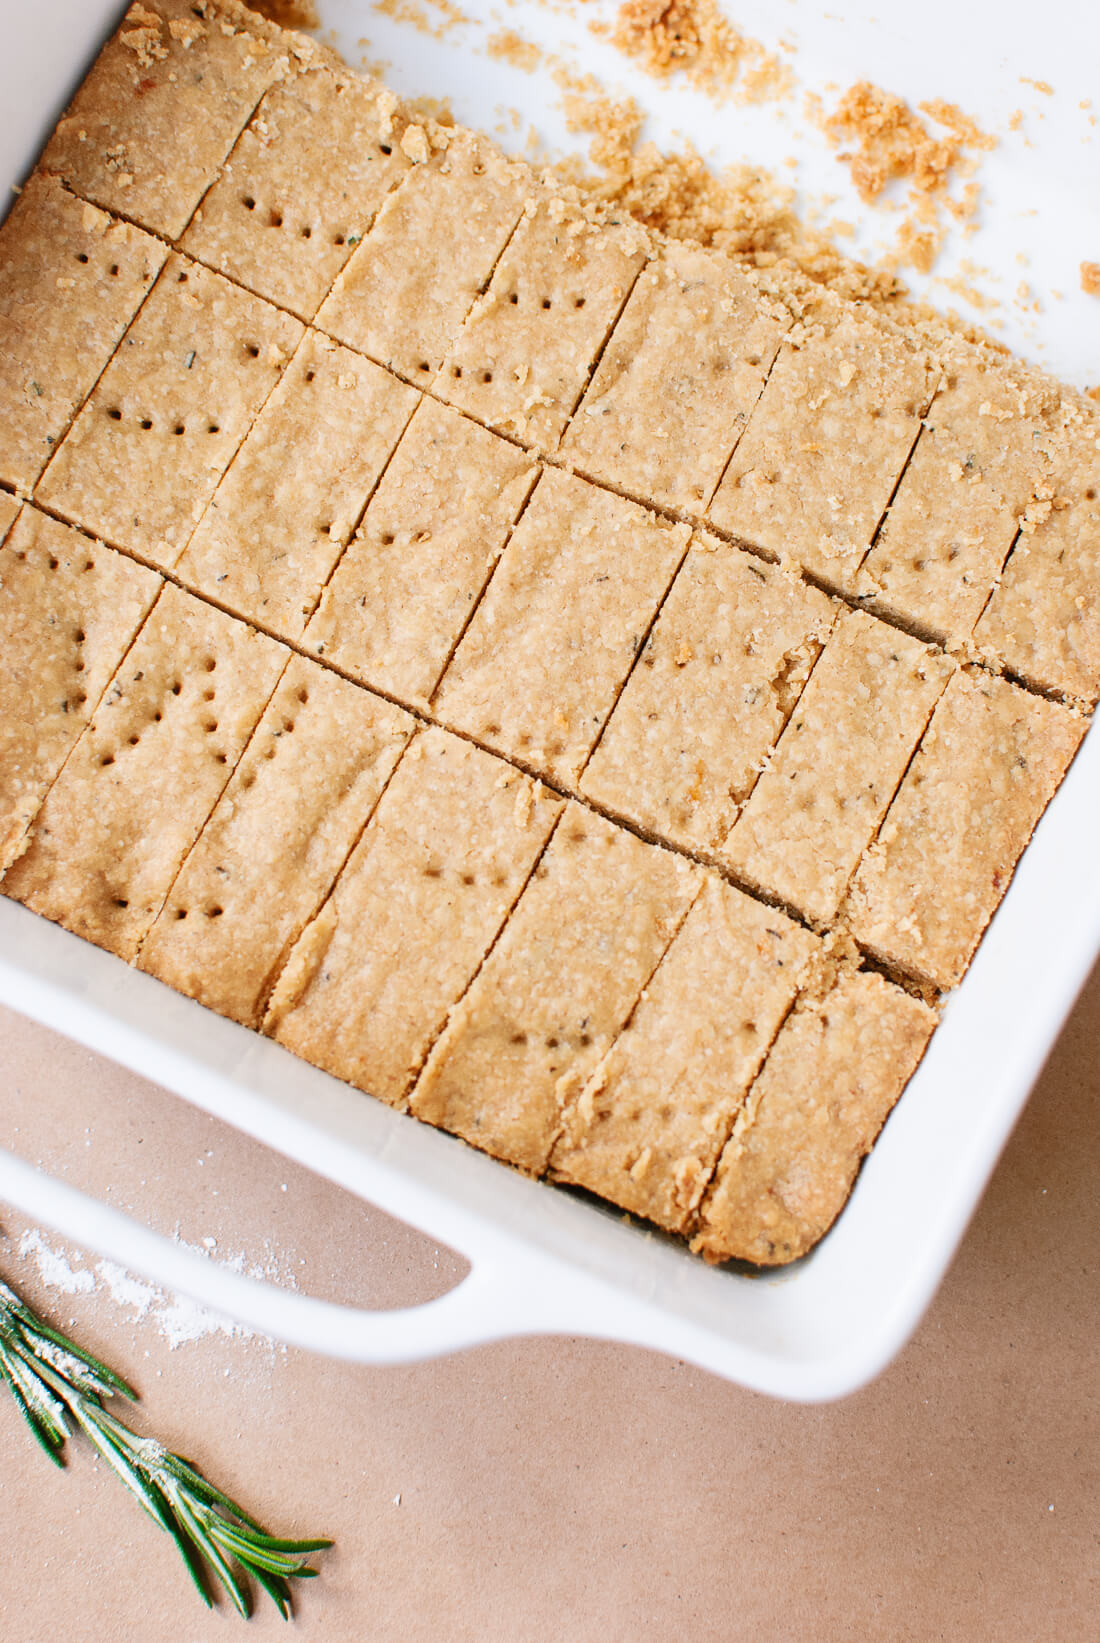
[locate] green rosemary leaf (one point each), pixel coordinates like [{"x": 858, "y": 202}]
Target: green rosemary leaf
[
  {"x": 193, "y": 1526},
  {"x": 190, "y": 1476},
  {"x": 38, "y": 1331},
  {"x": 247, "y": 1552},
  {"x": 48, "y": 1410},
  {"x": 58, "y": 1386},
  {"x": 44, "y": 1436},
  {"x": 277, "y": 1590}
]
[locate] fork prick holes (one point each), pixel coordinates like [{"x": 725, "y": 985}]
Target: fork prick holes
[
  {"x": 546, "y": 302},
  {"x": 276, "y": 219},
  {"x": 181, "y": 912},
  {"x": 176, "y": 688},
  {"x": 107, "y": 758},
  {"x": 303, "y": 696},
  {"x": 215, "y": 911},
  {"x": 115, "y": 414},
  {"x": 248, "y": 202},
  {"x": 252, "y": 350},
  {"x": 82, "y": 256},
  {"x": 179, "y": 429},
  {"x": 307, "y": 232},
  {"x": 210, "y": 664},
  {"x": 146, "y": 424}
]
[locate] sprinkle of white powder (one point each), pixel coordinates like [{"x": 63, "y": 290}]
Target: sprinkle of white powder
[
  {"x": 179, "y": 1320},
  {"x": 53, "y": 1266}
]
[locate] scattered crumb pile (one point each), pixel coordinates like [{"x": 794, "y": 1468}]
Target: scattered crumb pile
[
  {"x": 289, "y": 14},
  {"x": 509, "y": 46},
  {"x": 424, "y": 21},
  {"x": 893, "y": 143},
  {"x": 1090, "y": 278},
  {"x": 742, "y": 210},
  {"x": 695, "y": 38}
]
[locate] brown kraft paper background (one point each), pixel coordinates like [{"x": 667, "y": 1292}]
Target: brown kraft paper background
[{"x": 564, "y": 1490}]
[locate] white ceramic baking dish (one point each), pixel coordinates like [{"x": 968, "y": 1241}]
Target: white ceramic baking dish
[{"x": 543, "y": 1261}]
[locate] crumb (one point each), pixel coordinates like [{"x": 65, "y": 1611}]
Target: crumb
[
  {"x": 1090, "y": 278},
  {"x": 289, "y": 14},
  {"x": 509, "y": 47},
  {"x": 742, "y": 210},
  {"x": 893, "y": 143},
  {"x": 1016, "y": 120},
  {"x": 1040, "y": 85},
  {"x": 413, "y": 12},
  {"x": 695, "y": 38}
]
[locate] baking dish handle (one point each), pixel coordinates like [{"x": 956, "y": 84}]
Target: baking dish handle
[{"x": 493, "y": 1301}]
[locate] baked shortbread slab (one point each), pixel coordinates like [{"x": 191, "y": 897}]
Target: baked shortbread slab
[{"x": 583, "y": 689}]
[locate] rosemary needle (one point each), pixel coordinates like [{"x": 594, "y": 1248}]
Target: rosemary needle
[{"x": 59, "y": 1387}]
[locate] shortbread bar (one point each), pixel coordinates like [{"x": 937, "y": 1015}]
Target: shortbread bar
[{"x": 581, "y": 688}]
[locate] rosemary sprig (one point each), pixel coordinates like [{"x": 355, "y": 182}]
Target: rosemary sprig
[{"x": 59, "y": 1387}]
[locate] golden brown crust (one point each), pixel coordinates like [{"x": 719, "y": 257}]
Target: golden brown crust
[
  {"x": 166, "y": 71},
  {"x": 278, "y": 521},
  {"x": 73, "y": 278},
  {"x": 521, "y": 360},
  {"x": 432, "y": 533},
  {"x": 678, "y": 380},
  {"x": 168, "y": 414},
  {"x": 977, "y": 468},
  {"x": 409, "y": 286},
  {"x": 835, "y": 768},
  {"x": 989, "y": 763},
  {"x": 540, "y": 666},
  {"x": 817, "y": 465},
  {"x": 281, "y": 218},
  {"x": 1044, "y": 618},
  {"x": 69, "y": 608},
  {"x": 421, "y": 900},
  {"x": 648, "y": 1126},
  {"x": 583, "y": 941},
  {"x": 833, "y": 1074},
  {"x": 141, "y": 781},
  {"x": 717, "y": 681},
  {"x": 305, "y": 787}
]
